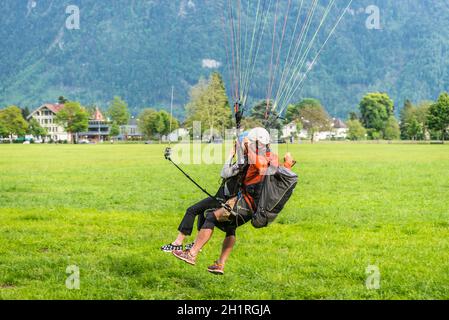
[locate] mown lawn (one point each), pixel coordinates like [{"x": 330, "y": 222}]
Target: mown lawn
[{"x": 108, "y": 209}]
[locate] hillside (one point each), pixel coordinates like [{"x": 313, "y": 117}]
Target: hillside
[{"x": 139, "y": 49}]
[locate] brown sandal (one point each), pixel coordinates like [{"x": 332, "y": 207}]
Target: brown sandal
[
  {"x": 216, "y": 268},
  {"x": 185, "y": 256}
]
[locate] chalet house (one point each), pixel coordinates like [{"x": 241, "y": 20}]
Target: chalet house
[
  {"x": 46, "y": 116},
  {"x": 339, "y": 131},
  {"x": 98, "y": 129}
]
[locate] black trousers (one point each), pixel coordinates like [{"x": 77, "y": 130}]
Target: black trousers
[
  {"x": 197, "y": 210},
  {"x": 244, "y": 215}
]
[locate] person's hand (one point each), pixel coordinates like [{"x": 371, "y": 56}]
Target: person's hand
[{"x": 288, "y": 160}]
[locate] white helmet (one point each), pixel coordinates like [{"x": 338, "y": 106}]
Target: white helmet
[{"x": 259, "y": 134}]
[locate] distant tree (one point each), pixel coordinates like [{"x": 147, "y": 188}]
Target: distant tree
[
  {"x": 25, "y": 112},
  {"x": 3, "y": 130},
  {"x": 376, "y": 109},
  {"x": 12, "y": 122},
  {"x": 196, "y": 94},
  {"x": 250, "y": 123},
  {"x": 438, "y": 118},
  {"x": 35, "y": 129},
  {"x": 74, "y": 118},
  {"x": 413, "y": 129},
  {"x": 62, "y": 100},
  {"x": 422, "y": 114},
  {"x": 115, "y": 130},
  {"x": 356, "y": 130},
  {"x": 374, "y": 134},
  {"x": 118, "y": 111},
  {"x": 407, "y": 115},
  {"x": 414, "y": 121},
  {"x": 392, "y": 130},
  {"x": 311, "y": 114},
  {"x": 293, "y": 110},
  {"x": 422, "y": 111},
  {"x": 156, "y": 124},
  {"x": 263, "y": 117},
  {"x": 209, "y": 104},
  {"x": 170, "y": 123},
  {"x": 354, "y": 116},
  {"x": 314, "y": 119},
  {"x": 150, "y": 123},
  {"x": 218, "y": 103},
  {"x": 290, "y": 113}
]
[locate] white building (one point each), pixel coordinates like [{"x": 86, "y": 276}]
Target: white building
[
  {"x": 338, "y": 131},
  {"x": 131, "y": 131},
  {"x": 46, "y": 116},
  {"x": 291, "y": 130}
]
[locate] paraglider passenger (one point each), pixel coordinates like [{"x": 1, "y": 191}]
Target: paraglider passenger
[{"x": 256, "y": 149}]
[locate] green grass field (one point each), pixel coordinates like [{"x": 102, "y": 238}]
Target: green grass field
[{"x": 108, "y": 209}]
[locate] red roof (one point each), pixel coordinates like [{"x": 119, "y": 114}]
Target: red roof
[
  {"x": 98, "y": 116},
  {"x": 55, "y": 108}
]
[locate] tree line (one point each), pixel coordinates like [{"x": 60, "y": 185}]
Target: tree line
[
  {"x": 74, "y": 118},
  {"x": 376, "y": 120},
  {"x": 209, "y": 104}
]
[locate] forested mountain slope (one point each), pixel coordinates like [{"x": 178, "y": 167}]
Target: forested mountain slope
[{"x": 138, "y": 49}]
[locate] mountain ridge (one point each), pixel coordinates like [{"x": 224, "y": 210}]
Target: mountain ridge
[{"x": 140, "y": 49}]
